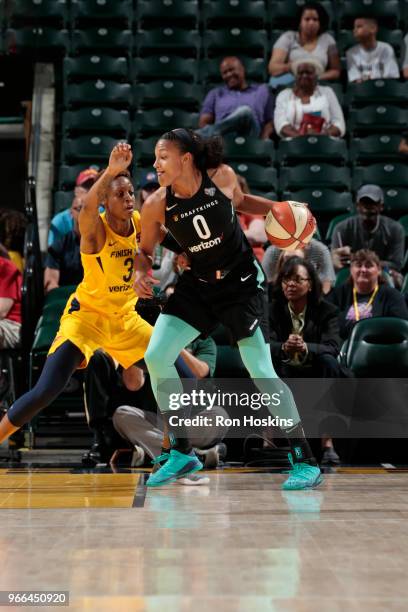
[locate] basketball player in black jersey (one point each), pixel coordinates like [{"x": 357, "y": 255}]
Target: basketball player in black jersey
[{"x": 197, "y": 201}]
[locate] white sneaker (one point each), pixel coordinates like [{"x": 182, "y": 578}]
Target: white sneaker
[
  {"x": 193, "y": 480},
  {"x": 138, "y": 457}
]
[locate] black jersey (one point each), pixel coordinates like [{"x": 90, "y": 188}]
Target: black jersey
[{"x": 207, "y": 228}]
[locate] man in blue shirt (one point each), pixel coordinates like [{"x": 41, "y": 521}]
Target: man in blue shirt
[{"x": 237, "y": 107}]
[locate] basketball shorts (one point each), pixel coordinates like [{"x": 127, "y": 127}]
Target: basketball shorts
[
  {"x": 125, "y": 338},
  {"x": 238, "y": 301}
]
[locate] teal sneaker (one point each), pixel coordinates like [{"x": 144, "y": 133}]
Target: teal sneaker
[
  {"x": 302, "y": 476},
  {"x": 177, "y": 465}
]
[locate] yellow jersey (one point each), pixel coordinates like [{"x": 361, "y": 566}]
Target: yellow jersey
[{"x": 107, "y": 286}]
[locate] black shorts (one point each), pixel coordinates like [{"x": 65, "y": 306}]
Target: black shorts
[{"x": 238, "y": 301}]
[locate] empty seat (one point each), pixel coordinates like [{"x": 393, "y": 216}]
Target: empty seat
[
  {"x": 168, "y": 40},
  {"x": 38, "y": 40},
  {"x": 67, "y": 175},
  {"x": 209, "y": 69},
  {"x": 313, "y": 175},
  {"x": 43, "y": 12},
  {"x": 387, "y": 12},
  {"x": 164, "y": 67},
  {"x": 100, "y": 92},
  {"x": 110, "y": 12},
  {"x": 377, "y": 118},
  {"x": 95, "y": 67},
  {"x": 152, "y": 13},
  {"x": 87, "y": 148},
  {"x": 236, "y": 40},
  {"x": 375, "y": 148},
  {"x": 385, "y": 174},
  {"x": 102, "y": 39},
  {"x": 143, "y": 150},
  {"x": 395, "y": 201},
  {"x": 159, "y": 120},
  {"x": 319, "y": 148},
  {"x": 97, "y": 120},
  {"x": 258, "y": 177},
  {"x": 324, "y": 203},
  {"x": 404, "y": 222},
  {"x": 249, "y": 149},
  {"x": 218, "y": 13},
  {"x": 384, "y": 91},
  {"x": 169, "y": 93}
]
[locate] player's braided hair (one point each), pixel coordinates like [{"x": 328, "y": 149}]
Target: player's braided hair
[{"x": 207, "y": 152}]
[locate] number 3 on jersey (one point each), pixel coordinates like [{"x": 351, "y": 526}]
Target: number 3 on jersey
[
  {"x": 128, "y": 263},
  {"x": 201, "y": 227}
]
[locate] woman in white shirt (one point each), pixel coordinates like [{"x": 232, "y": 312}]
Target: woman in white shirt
[
  {"x": 310, "y": 41},
  {"x": 308, "y": 108}
]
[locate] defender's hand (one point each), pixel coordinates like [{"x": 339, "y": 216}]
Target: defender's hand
[
  {"x": 120, "y": 158},
  {"x": 143, "y": 284}
]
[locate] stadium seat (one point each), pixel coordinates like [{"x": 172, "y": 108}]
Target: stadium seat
[
  {"x": 249, "y": 149},
  {"x": 387, "y": 12},
  {"x": 313, "y": 175},
  {"x": 404, "y": 222},
  {"x": 324, "y": 203},
  {"x": 67, "y": 175},
  {"x": 283, "y": 13},
  {"x": 152, "y": 13},
  {"x": 168, "y": 40},
  {"x": 95, "y": 120},
  {"x": 104, "y": 39},
  {"x": 38, "y": 41},
  {"x": 110, "y": 12},
  {"x": 395, "y": 201},
  {"x": 342, "y": 276},
  {"x": 100, "y": 92},
  {"x": 235, "y": 41},
  {"x": 377, "y": 118},
  {"x": 379, "y": 347},
  {"x": 44, "y": 12},
  {"x": 258, "y": 177},
  {"x": 62, "y": 200},
  {"x": 209, "y": 69},
  {"x": 312, "y": 148},
  {"x": 380, "y": 91},
  {"x": 168, "y": 93},
  {"x": 95, "y": 67},
  {"x": 159, "y": 120},
  {"x": 164, "y": 67},
  {"x": 404, "y": 287},
  {"x": 87, "y": 148},
  {"x": 332, "y": 225},
  {"x": 385, "y": 174},
  {"x": 345, "y": 40},
  {"x": 218, "y": 13},
  {"x": 143, "y": 150},
  {"x": 375, "y": 148}
]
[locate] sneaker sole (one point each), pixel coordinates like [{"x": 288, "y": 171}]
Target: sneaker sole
[
  {"x": 193, "y": 469},
  {"x": 182, "y": 480},
  {"x": 316, "y": 483}
]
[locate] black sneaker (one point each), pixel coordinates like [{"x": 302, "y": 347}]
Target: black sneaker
[{"x": 330, "y": 457}]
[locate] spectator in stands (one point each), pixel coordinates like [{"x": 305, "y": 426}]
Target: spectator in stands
[
  {"x": 148, "y": 184},
  {"x": 308, "y": 108},
  {"x": 405, "y": 60},
  {"x": 310, "y": 41},
  {"x": 369, "y": 229},
  {"x": 63, "y": 222},
  {"x": 13, "y": 225},
  {"x": 403, "y": 145},
  {"x": 10, "y": 304},
  {"x": 370, "y": 59},
  {"x": 365, "y": 294},
  {"x": 237, "y": 107},
  {"x": 63, "y": 262},
  {"x": 315, "y": 252},
  {"x": 253, "y": 226}
]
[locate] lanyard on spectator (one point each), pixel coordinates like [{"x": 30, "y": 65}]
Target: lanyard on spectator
[{"x": 370, "y": 301}]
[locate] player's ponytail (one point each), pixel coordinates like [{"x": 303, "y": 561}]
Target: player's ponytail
[{"x": 207, "y": 152}]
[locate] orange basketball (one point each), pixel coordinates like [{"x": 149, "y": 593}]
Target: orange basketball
[{"x": 290, "y": 225}]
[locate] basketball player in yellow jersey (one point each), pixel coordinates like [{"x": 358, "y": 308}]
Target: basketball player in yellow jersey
[{"x": 101, "y": 313}]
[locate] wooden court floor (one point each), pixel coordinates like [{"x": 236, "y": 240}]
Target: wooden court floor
[{"x": 239, "y": 545}]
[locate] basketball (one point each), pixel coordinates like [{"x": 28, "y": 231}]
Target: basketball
[{"x": 290, "y": 225}]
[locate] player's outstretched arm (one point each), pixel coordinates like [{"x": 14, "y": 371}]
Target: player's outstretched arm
[{"x": 90, "y": 224}]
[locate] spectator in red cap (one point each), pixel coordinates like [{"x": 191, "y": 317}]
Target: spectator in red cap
[
  {"x": 10, "y": 304},
  {"x": 148, "y": 183},
  {"x": 63, "y": 222}
]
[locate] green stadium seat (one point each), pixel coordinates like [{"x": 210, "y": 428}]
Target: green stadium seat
[
  {"x": 283, "y": 13},
  {"x": 38, "y": 41},
  {"x": 395, "y": 201},
  {"x": 380, "y": 91},
  {"x": 218, "y": 13},
  {"x": 404, "y": 287},
  {"x": 377, "y": 118},
  {"x": 152, "y": 13},
  {"x": 97, "y": 120},
  {"x": 104, "y": 39},
  {"x": 345, "y": 40},
  {"x": 95, "y": 67},
  {"x": 258, "y": 177},
  {"x": 404, "y": 222},
  {"x": 324, "y": 203},
  {"x": 159, "y": 120},
  {"x": 168, "y": 40},
  {"x": 169, "y": 93},
  {"x": 42, "y": 12},
  {"x": 269, "y": 195},
  {"x": 236, "y": 41},
  {"x": 342, "y": 276},
  {"x": 100, "y": 92},
  {"x": 164, "y": 67},
  {"x": 375, "y": 148},
  {"x": 312, "y": 148},
  {"x": 209, "y": 69},
  {"x": 62, "y": 200},
  {"x": 87, "y": 148},
  {"x": 332, "y": 226},
  {"x": 249, "y": 149},
  {"x": 143, "y": 150},
  {"x": 67, "y": 174},
  {"x": 385, "y": 174},
  {"x": 110, "y": 12},
  {"x": 387, "y": 12},
  {"x": 378, "y": 347},
  {"x": 313, "y": 175}
]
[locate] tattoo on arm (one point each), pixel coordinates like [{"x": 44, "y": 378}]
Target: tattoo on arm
[{"x": 103, "y": 185}]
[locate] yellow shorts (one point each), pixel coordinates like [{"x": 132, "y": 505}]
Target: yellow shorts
[{"x": 125, "y": 338}]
